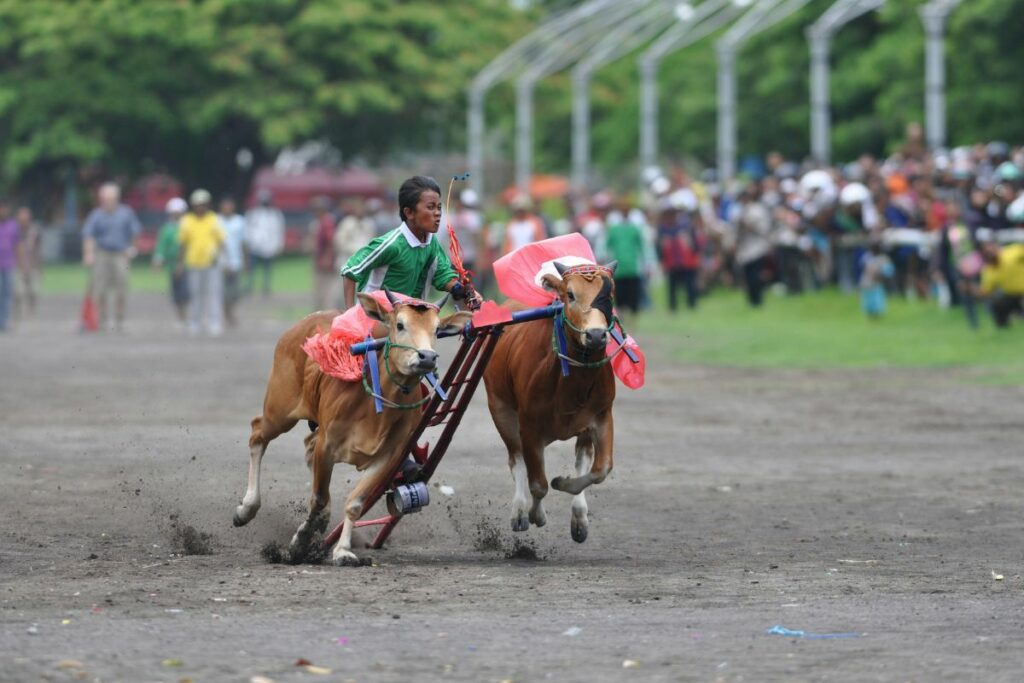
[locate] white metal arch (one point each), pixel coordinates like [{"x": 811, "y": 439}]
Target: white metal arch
[
  {"x": 707, "y": 18},
  {"x": 819, "y": 35},
  {"x": 762, "y": 16},
  {"x": 641, "y": 27},
  {"x": 572, "y": 46},
  {"x": 510, "y": 62},
  {"x": 933, "y": 16}
]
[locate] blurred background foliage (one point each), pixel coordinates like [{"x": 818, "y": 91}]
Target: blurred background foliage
[{"x": 181, "y": 85}]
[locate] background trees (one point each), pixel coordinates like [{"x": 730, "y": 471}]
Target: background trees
[{"x": 181, "y": 86}]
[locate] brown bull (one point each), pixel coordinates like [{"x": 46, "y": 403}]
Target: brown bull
[
  {"x": 532, "y": 404},
  {"x": 348, "y": 427}
]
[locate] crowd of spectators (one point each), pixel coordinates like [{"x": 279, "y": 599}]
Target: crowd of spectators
[{"x": 942, "y": 225}]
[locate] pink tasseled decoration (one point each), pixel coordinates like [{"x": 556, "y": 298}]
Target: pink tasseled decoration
[{"x": 330, "y": 349}]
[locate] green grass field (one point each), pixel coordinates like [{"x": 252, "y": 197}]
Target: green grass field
[
  {"x": 828, "y": 330},
  {"x": 820, "y": 330}
]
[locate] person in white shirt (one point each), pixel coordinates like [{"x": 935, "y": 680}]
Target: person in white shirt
[
  {"x": 264, "y": 238},
  {"x": 524, "y": 227},
  {"x": 232, "y": 258}
]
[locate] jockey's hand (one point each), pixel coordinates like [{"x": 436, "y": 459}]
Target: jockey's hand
[{"x": 467, "y": 295}]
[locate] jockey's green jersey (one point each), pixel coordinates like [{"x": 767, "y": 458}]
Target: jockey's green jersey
[{"x": 398, "y": 261}]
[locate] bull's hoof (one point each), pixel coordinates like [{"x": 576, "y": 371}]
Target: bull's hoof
[
  {"x": 300, "y": 543},
  {"x": 346, "y": 558},
  {"x": 578, "y": 528},
  {"x": 242, "y": 516},
  {"x": 320, "y": 523},
  {"x": 537, "y": 516},
  {"x": 570, "y": 485},
  {"x": 520, "y": 522}
]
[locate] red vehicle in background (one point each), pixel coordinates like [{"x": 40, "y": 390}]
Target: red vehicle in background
[
  {"x": 293, "y": 194},
  {"x": 148, "y": 197}
]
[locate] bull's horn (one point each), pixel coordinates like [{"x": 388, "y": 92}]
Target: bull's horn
[
  {"x": 560, "y": 268},
  {"x": 444, "y": 299},
  {"x": 611, "y": 265},
  {"x": 391, "y": 297}
]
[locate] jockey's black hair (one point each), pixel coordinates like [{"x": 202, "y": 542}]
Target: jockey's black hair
[{"x": 411, "y": 190}]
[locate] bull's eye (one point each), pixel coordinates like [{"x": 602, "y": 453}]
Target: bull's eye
[
  {"x": 572, "y": 297},
  {"x": 400, "y": 327}
]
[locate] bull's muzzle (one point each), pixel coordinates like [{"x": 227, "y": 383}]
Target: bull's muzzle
[
  {"x": 595, "y": 338},
  {"x": 427, "y": 360}
]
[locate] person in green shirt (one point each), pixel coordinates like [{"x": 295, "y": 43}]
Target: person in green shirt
[
  {"x": 624, "y": 242},
  {"x": 408, "y": 260},
  {"x": 166, "y": 254}
]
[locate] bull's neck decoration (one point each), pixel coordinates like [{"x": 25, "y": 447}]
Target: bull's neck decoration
[{"x": 587, "y": 270}]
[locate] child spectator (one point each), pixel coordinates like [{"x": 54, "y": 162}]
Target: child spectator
[
  {"x": 165, "y": 254},
  {"x": 30, "y": 264},
  {"x": 876, "y": 268},
  {"x": 232, "y": 258}
]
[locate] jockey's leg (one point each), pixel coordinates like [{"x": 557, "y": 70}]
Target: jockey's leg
[
  {"x": 603, "y": 442},
  {"x": 579, "y": 524}
]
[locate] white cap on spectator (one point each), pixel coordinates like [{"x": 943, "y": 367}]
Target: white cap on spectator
[
  {"x": 816, "y": 180},
  {"x": 660, "y": 185},
  {"x": 854, "y": 193},
  {"x": 650, "y": 174},
  {"x": 1015, "y": 211},
  {"x": 200, "y": 196},
  {"x": 683, "y": 200},
  {"x": 176, "y": 205}
]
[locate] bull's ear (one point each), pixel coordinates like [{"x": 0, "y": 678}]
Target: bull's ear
[
  {"x": 372, "y": 307},
  {"x": 612, "y": 265},
  {"x": 553, "y": 284},
  {"x": 453, "y": 324}
]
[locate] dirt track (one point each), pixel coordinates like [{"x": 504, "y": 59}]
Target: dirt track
[{"x": 876, "y": 503}]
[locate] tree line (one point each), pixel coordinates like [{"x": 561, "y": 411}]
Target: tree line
[{"x": 124, "y": 87}]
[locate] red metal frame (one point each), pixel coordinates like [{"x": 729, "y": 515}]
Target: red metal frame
[{"x": 460, "y": 383}]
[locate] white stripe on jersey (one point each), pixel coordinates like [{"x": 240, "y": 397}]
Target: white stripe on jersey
[
  {"x": 376, "y": 280},
  {"x": 373, "y": 254}
]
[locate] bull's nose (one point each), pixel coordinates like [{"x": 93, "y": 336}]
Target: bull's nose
[
  {"x": 428, "y": 360},
  {"x": 596, "y": 338}
]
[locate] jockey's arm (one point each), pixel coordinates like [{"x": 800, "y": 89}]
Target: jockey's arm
[{"x": 349, "y": 292}]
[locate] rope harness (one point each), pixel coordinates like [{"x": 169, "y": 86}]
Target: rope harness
[
  {"x": 404, "y": 388},
  {"x": 559, "y": 347},
  {"x": 374, "y": 391},
  {"x": 604, "y": 302}
]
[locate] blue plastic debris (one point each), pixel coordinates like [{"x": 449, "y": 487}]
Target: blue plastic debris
[{"x": 779, "y": 630}]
